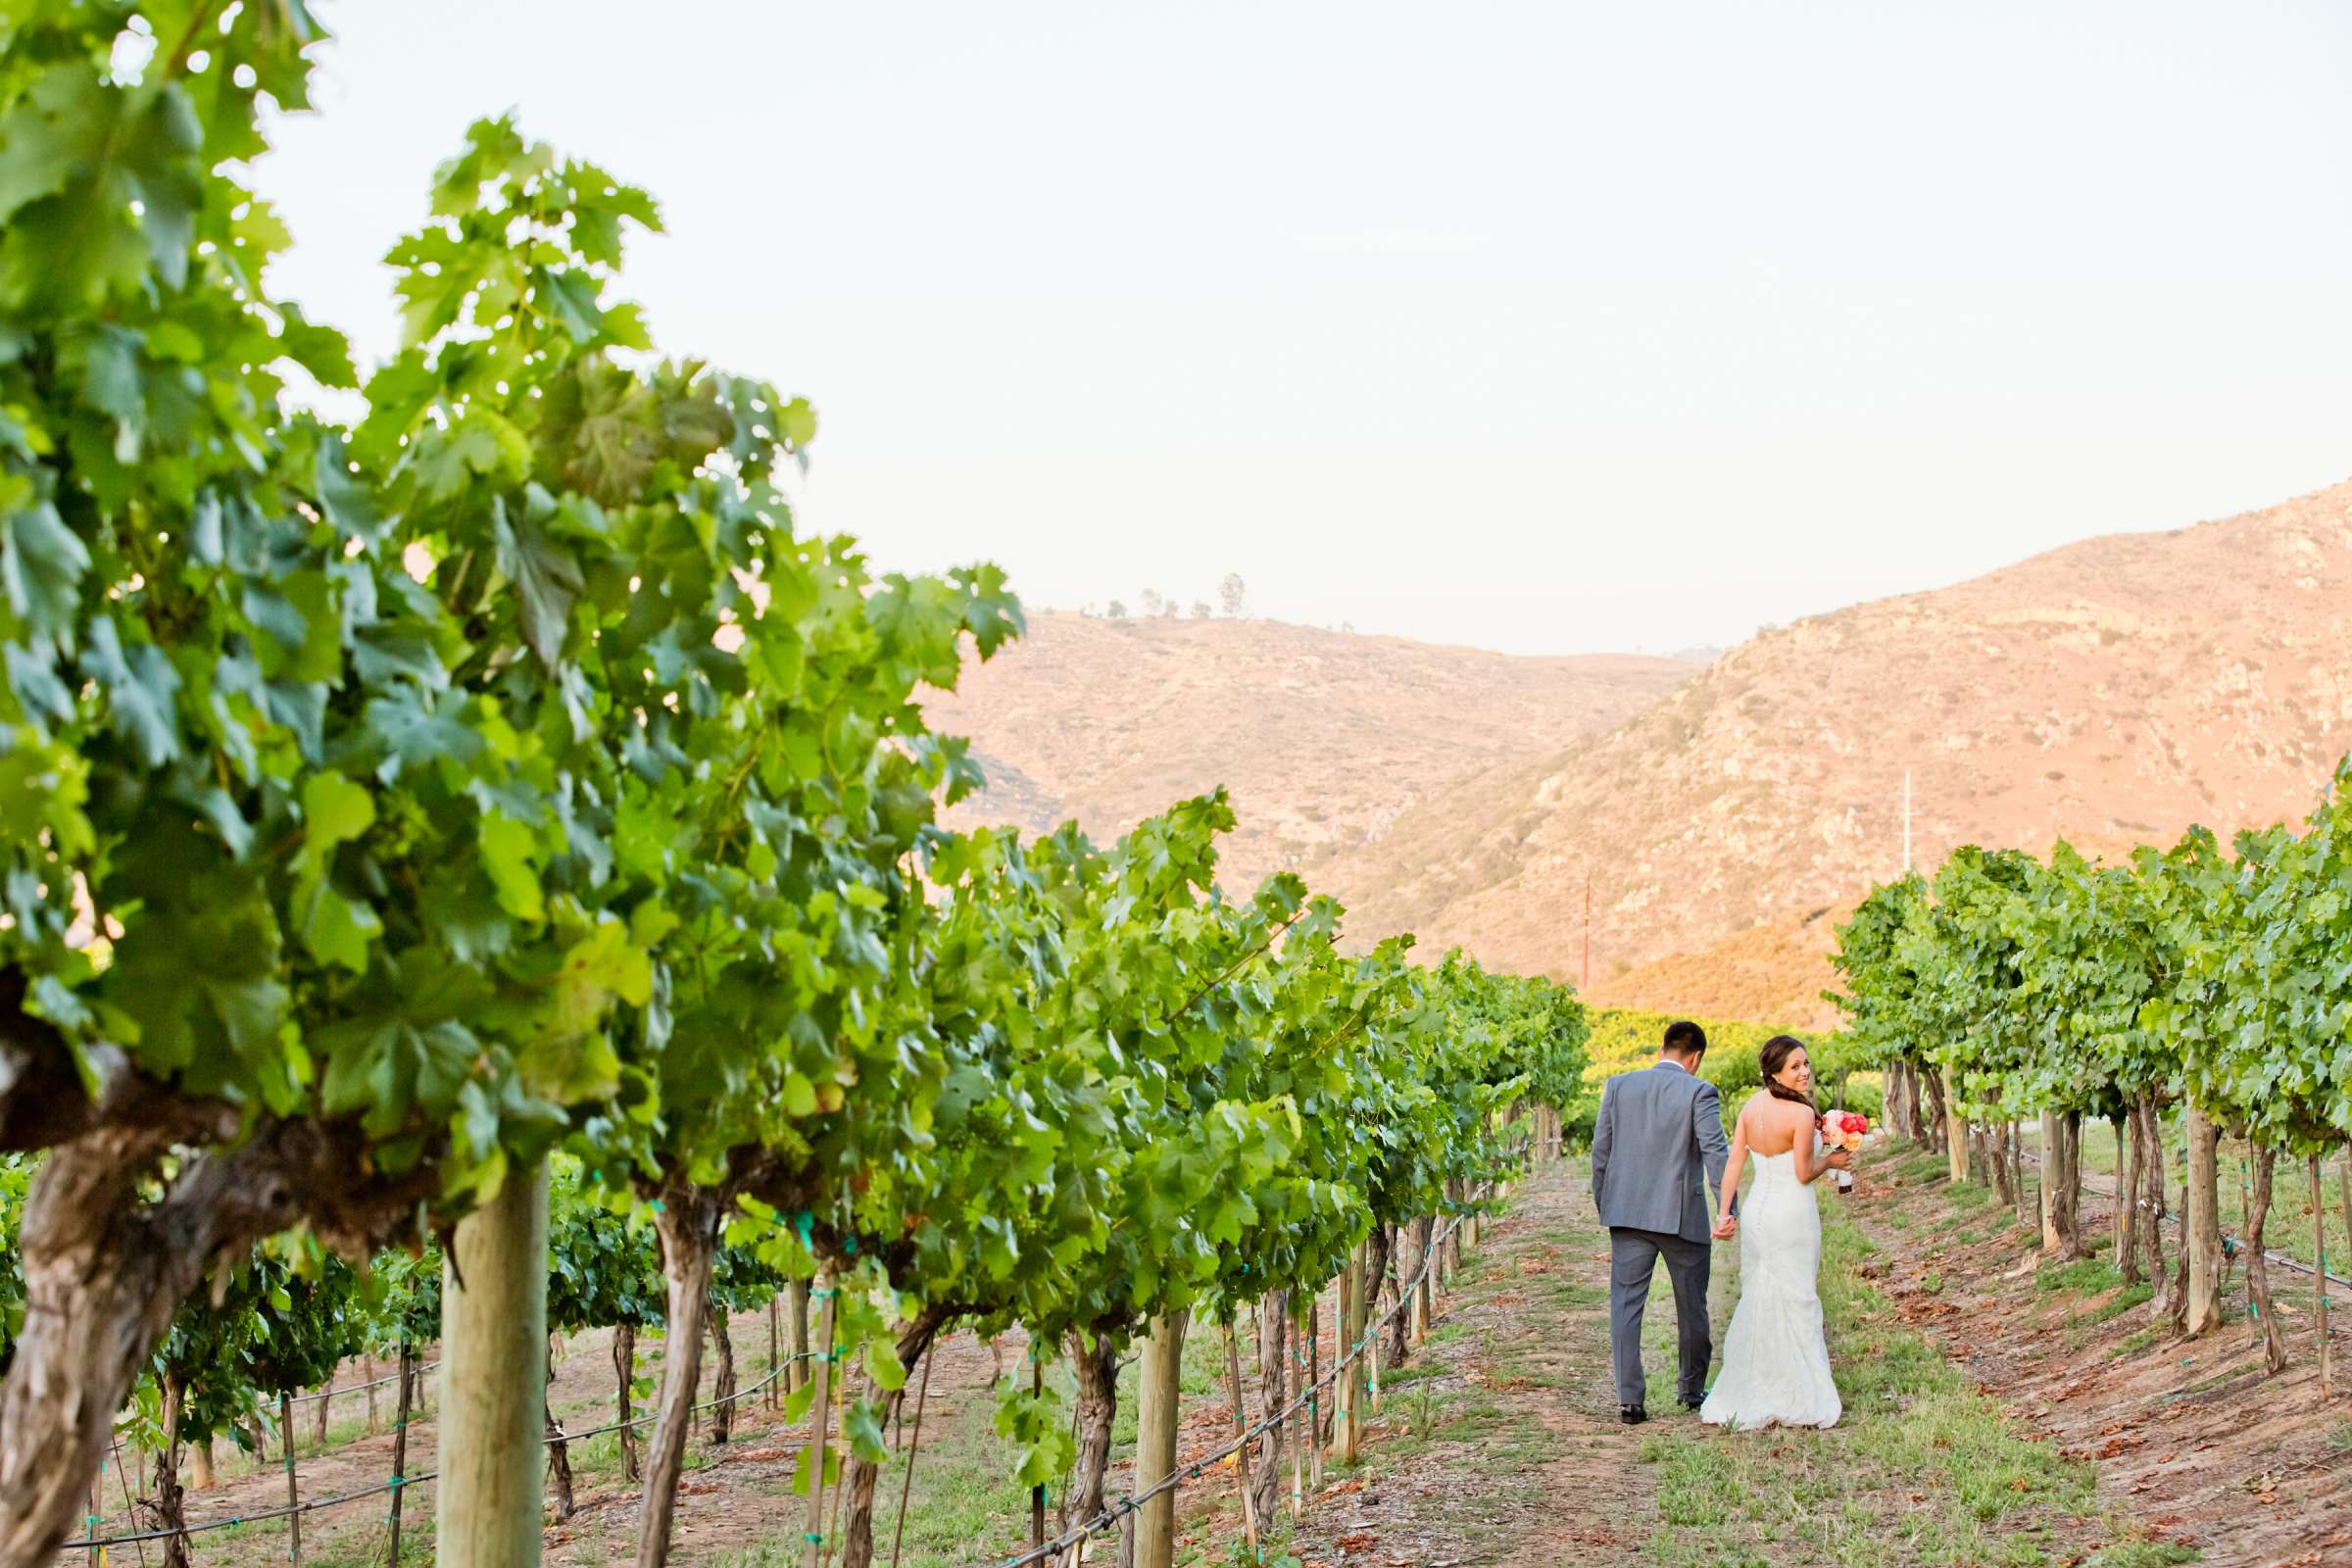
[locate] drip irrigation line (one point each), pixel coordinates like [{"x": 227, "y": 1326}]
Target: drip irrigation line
[
  {"x": 398, "y": 1482},
  {"x": 1182, "y": 1473}
]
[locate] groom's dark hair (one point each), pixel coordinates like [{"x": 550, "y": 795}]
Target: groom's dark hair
[{"x": 1685, "y": 1039}]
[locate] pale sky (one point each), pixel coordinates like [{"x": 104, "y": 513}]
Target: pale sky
[{"x": 1548, "y": 327}]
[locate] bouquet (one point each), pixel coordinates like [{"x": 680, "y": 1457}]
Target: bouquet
[{"x": 1843, "y": 1129}]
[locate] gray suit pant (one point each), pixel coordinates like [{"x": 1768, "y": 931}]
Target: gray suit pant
[{"x": 1633, "y": 1255}]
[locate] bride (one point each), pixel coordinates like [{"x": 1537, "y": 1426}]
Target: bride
[{"x": 1776, "y": 1369}]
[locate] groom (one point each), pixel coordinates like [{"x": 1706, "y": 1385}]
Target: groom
[{"x": 1659, "y": 1131}]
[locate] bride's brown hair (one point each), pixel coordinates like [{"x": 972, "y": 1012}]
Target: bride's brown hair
[{"x": 1774, "y": 1057}]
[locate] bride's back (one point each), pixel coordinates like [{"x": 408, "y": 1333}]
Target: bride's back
[{"x": 1772, "y": 1125}]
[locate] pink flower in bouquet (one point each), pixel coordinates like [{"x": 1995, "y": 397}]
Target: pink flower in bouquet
[{"x": 1843, "y": 1129}]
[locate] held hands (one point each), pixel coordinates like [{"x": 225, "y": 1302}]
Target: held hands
[{"x": 1726, "y": 1227}]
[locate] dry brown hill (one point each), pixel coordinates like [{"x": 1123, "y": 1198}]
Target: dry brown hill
[
  {"x": 2111, "y": 692},
  {"x": 1323, "y": 737}
]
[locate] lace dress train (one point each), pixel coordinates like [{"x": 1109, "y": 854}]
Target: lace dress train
[{"x": 1776, "y": 1364}]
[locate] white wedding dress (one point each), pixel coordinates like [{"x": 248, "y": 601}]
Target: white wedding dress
[{"x": 1776, "y": 1366}]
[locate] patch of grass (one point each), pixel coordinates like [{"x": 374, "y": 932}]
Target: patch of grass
[
  {"x": 1922, "y": 1468},
  {"x": 2143, "y": 1554},
  {"x": 2083, "y": 1275},
  {"x": 2118, "y": 1304}
]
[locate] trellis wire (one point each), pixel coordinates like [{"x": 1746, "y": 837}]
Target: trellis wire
[{"x": 358, "y": 1388}]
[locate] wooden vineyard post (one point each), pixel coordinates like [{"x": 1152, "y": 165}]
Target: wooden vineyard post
[
  {"x": 1956, "y": 1142},
  {"x": 494, "y": 1339},
  {"x": 1355, "y": 1377},
  {"x": 2051, "y": 1159},
  {"x": 1241, "y": 1427},
  {"x": 775, "y": 1354},
  {"x": 286, "y": 1441},
  {"x": 1158, "y": 1394},
  {"x": 820, "y": 1409},
  {"x": 2202, "y": 1226},
  {"x": 2319, "y": 1231},
  {"x": 1424, "y": 1302},
  {"x": 798, "y": 1322}
]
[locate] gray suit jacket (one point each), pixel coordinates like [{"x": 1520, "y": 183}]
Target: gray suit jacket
[{"x": 1659, "y": 1133}]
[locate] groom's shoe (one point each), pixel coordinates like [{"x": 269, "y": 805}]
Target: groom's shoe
[
  {"x": 1633, "y": 1415},
  {"x": 1693, "y": 1404}
]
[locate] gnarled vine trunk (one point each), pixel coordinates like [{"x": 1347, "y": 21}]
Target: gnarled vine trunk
[
  {"x": 2258, "y": 1267},
  {"x": 2016, "y": 1173},
  {"x": 1939, "y": 1124},
  {"x": 722, "y": 1383},
  {"x": 624, "y": 1374},
  {"x": 103, "y": 1266},
  {"x": 559, "y": 1449},
  {"x": 169, "y": 1513},
  {"x": 687, "y": 1223},
  {"x": 2062, "y": 1181},
  {"x": 1273, "y": 1371},
  {"x": 861, "y": 1478},
  {"x": 1394, "y": 1331},
  {"x": 1095, "y": 1365},
  {"x": 1996, "y": 1154},
  {"x": 2147, "y": 1209},
  {"x": 103, "y": 1271},
  {"x": 1380, "y": 1248}
]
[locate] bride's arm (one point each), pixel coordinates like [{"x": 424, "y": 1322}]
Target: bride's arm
[
  {"x": 1728, "y": 1192},
  {"x": 1811, "y": 1165},
  {"x": 1807, "y": 1171}
]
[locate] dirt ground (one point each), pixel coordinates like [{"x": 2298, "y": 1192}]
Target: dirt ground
[
  {"x": 2191, "y": 1437},
  {"x": 735, "y": 1497}
]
